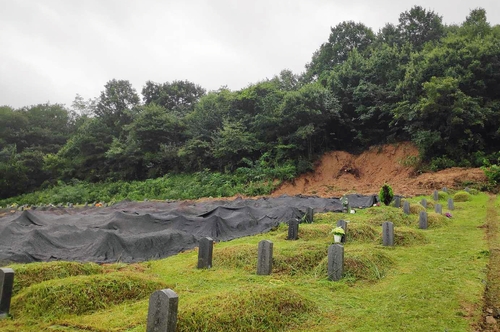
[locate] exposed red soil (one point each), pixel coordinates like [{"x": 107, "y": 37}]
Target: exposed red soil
[{"x": 339, "y": 172}]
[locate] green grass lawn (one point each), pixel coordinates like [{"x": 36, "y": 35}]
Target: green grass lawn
[{"x": 432, "y": 280}]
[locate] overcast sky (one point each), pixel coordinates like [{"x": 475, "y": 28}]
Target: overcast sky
[{"x": 50, "y": 50}]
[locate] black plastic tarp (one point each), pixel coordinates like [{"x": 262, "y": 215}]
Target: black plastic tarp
[{"x": 140, "y": 231}]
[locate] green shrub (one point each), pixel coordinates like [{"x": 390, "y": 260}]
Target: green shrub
[{"x": 386, "y": 195}]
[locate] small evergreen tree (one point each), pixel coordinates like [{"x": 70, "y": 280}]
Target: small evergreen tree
[{"x": 386, "y": 194}]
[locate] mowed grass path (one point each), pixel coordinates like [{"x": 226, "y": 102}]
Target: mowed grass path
[{"x": 435, "y": 282}]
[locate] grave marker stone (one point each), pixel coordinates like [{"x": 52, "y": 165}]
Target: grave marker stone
[
  {"x": 265, "y": 258},
  {"x": 309, "y": 215},
  {"x": 424, "y": 203},
  {"x": 387, "y": 233},
  {"x": 162, "y": 311},
  {"x": 467, "y": 189},
  {"x": 335, "y": 262},
  {"x": 406, "y": 207},
  {"x": 343, "y": 224},
  {"x": 435, "y": 195},
  {"x": 293, "y": 229},
  {"x": 422, "y": 220},
  {"x": 451, "y": 205},
  {"x": 438, "y": 208},
  {"x": 445, "y": 189},
  {"x": 205, "y": 252},
  {"x": 397, "y": 202},
  {"x": 6, "y": 284}
]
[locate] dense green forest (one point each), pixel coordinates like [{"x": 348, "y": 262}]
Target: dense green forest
[{"x": 420, "y": 80}]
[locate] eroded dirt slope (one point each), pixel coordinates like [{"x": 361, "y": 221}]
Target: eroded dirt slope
[{"x": 339, "y": 172}]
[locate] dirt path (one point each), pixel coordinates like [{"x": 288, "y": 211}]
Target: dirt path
[{"x": 491, "y": 312}]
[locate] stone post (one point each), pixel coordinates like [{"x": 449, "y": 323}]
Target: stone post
[
  {"x": 424, "y": 203},
  {"x": 265, "y": 258},
  {"x": 451, "y": 205},
  {"x": 6, "y": 284},
  {"x": 162, "y": 312},
  {"x": 343, "y": 224},
  {"x": 293, "y": 229},
  {"x": 397, "y": 202},
  {"x": 335, "y": 262},
  {"x": 422, "y": 220},
  {"x": 406, "y": 207},
  {"x": 435, "y": 195},
  {"x": 438, "y": 208},
  {"x": 205, "y": 252},
  {"x": 387, "y": 233}
]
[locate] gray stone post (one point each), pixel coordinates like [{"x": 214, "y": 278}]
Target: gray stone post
[
  {"x": 335, "y": 262},
  {"x": 422, "y": 220},
  {"x": 6, "y": 284},
  {"x": 265, "y": 258},
  {"x": 343, "y": 224},
  {"x": 162, "y": 312},
  {"x": 205, "y": 251},
  {"x": 387, "y": 233},
  {"x": 467, "y": 189},
  {"x": 309, "y": 215},
  {"x": 406, "y": 207},
  {"x": 293, "y": 229},
  {"x": 435, "y": 195},
  {"x": 424, "y": 203},
  {"x": 445, "y": 189},
  {"x": 451, "y": 205},
  {"x": 438, "y": 208},
  {"x": 397, "y": 202}
]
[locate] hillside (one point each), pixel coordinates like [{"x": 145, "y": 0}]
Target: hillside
[{"x": 339, "y": 172}]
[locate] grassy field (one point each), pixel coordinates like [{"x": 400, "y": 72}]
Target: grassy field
[{"x": 432, "y": 280}]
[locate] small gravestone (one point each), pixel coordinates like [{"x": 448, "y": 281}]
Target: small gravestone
[
  {"x": 162, "y": 311},
  {"x": 335, "y": 262},
  {"x": 309, "y": 215},
  {"x": 438, "y": 208},
  {"x": 387, "y": 234},
  {"x": 467, "y": 189},
  {"x": 451, "y": 205},
  {"x": 406, "y": 207},
  {"x": 445, "y": 189},
  {"x": 424, "y": 203},
  {"x": 6, "y": 284},
  {"x": 293, "y": 229},
  {"x": 343, "y": 224},
  {"x": 397, "y": 202},
  {"x": 205, "y": 252},
  {"x": 265, "y": 258},
  {"x": 422, "y": 220},
  {"x": 435, "y": 195}
]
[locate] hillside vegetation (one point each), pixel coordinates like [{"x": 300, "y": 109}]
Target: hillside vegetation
[
  {"x": 431, "y": 280},
  {"x": 435, "y": 85}
]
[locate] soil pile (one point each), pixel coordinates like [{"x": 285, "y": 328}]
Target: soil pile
[{"x": 339, "y": 172}]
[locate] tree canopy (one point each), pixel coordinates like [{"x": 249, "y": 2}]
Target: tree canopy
[{"x": 418, "y": 80}]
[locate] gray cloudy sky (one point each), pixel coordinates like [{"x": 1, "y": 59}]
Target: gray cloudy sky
[{"x": 50, "y": 50}]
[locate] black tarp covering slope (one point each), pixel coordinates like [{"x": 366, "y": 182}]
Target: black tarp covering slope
[{"x": 133, "y": 231}]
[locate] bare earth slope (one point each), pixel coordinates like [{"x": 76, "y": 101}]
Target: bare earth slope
[{"x": 339, "y": 172}]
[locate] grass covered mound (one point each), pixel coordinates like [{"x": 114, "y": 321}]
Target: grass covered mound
[
  {"x": 33, "y": 273},
  {"x": 462, "y": 196},
  {"x": 435, "y": 220},
  {"x": 83, "y": 294},
  {"x": 254, "y": 308},
  {"x": 361, "y": 232},
  {"x": 405, "y": 236}
]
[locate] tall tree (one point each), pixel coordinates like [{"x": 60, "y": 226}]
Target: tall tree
[
  {"x": 344, "y": 38},
  {"x": 116, "y": 104},
  {"x": 419, "y": 26},
  {"x": 178, "y": 97}
]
